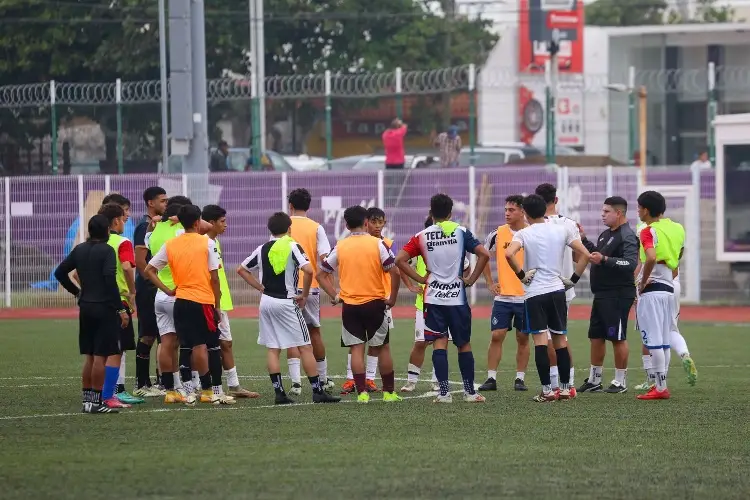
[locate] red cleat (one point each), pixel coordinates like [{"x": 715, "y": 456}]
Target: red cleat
[
  {"x": 371, "y": 387},
  {"x": 573, "y": 392},
  {"x": 115, "y": 403},
  {"x": 654, "y": 394},
  {"x": 348, "y": 387}
]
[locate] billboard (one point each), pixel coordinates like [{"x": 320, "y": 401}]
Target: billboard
[{"x": 537, "y": 20}]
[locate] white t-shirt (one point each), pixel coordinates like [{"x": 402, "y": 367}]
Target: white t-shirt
[
  {"x": 568, "y": 264},
  {"x": 544, "y": 250}
]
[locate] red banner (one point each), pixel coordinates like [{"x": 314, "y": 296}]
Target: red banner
[{"x": 532, "y": 48}]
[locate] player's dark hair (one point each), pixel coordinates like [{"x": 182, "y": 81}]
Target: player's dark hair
[
  {"x": 374, "y": 213},
  {"x": 279, "y": 223},
  {"x": 516, "y": 199},
  {"x": 618, "y": 203},
  {"x": 547, "y": 191},
  {"x": 179, "y": 200},
  {"x": 99, "y": 228},
  {"x": 653, "y": 202},
  {"x": 152, "y": 193},
  {"x": 300, "y": 199},
  {"x": 189, "y": 215},
  {"x": 212, "y": 213},
  {"x": 534, "y": 206},
  {"x": 117, "y": 199},
  {"x": 441, "y": 206},
  {"x": 111, "y": 211},
  {"x": 428, "y": 222},
  {"x": 355, "y": 216},
  {"x": 171, "y": 211}
]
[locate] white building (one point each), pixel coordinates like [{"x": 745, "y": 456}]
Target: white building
[{"x": 670, "y": 60}]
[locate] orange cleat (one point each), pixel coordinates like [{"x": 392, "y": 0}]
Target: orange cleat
[
  {"x": 348, "y": 387},
  {"x": 371, "y": 387},
  {"x": 654, "y": 394}
]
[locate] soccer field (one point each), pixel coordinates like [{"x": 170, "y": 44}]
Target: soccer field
[{"x": 596, "y": 446}]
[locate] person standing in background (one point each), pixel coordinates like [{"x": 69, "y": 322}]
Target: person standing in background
[
  {"x": 449, "y": 145},
  {"x": 220, "y": 158},
  {"x": 702, "y": 161},
  {"x": 393, "y": 144}
]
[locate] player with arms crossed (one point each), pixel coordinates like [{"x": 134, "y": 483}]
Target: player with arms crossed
[
  {"x": 546, "y": 312},
  {"x": 361, "y": 260},
  {"x": 194, "y": 263},
  {"x": 312, "y": 238},
  {"x": 507, "y": 308},
  {"x": 282, "y": 325},
  {"x": 155, "y": 199},
  {"x": 217, "y": 217},
  {"x": 443, "y": 246},
  {"x": 101, "y": 314},
  {"x": 662, "y": 241}
]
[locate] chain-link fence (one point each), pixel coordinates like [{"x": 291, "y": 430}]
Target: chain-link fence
[
  {"x": 41, "y": 217},
  {"x": 85, "y": 128}
]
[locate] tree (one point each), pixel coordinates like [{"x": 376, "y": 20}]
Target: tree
[
  {"x": 626, "y": 12},
  {"x": 706, "y": 11}
]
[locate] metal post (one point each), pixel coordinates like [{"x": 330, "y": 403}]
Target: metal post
[
  {"x": 118, "y": 103},
  {"x": 643, "y": 125},
  {"x": 399, "y": 96},
  {"x": 197, "y": 158},
  {"x": 610, "y": 181},
  {"x": 473, "y": 221},
  {"x": 81, "y": 212},
  {"x": 712, "y": 105},
  {"x": 53, "y": 119},
  {"x": 7, "y": 243},
  {"x": 284, "y": 191},
  {"x": 549, "y": 106},
  {"x": 472, "y": 113},
  {"x": 254, "y": 86},
  {"x": 631, "y": 116},
  {"x": 163, "y": 82},
  {"x": 261, "y": 55},
  {"x": 329, "y": 118}
]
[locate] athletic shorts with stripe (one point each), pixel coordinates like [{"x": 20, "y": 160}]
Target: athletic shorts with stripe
[
  {"x": 196, "y": 324},
  {"x": 225, "y": 331},
  {"x": 164, "y": 312},
  {"x": 419, "y": 327},
  {"x": 281, "y": 324},
  {"x": 311, "y": 312},
  {"x": 609, "y": 318},
  {"x": 452, "y": 321},
  {"x": 364, "y": 323},
  {"x": 546, "y": 312}
]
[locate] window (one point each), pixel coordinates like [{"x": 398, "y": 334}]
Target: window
[{"x": 736, "y": 201}]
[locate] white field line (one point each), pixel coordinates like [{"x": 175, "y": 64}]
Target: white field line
[{"x": 212, "y": 408}]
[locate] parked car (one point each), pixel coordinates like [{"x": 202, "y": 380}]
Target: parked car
[
  {"x": 241, "y": 161},
  {"x": 377, "y": 162},
  {"x": 305, "y": 163}
]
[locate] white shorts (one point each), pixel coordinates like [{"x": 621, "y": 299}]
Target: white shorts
[
  {"x": 164, "y": 309},
  {"x": 655, "y": 317},
  {"x": 677, "y": 294},
  {"x": 389, "y": 319},
  {"x": 311, "y": 312},
  {"x": 225, "y": 331},
  {"x": 281, "y": 324}
]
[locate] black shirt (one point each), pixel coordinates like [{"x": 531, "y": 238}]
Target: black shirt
[
  {"x": 96, "y": 265},
  {"x": 139, "y": 239},
  {"x": 614, "y": 277}
]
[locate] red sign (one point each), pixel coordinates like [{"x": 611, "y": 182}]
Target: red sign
[{"x": 533, "y": 54}]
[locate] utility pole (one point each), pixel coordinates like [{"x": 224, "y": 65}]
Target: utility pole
[
  {"x": 449, "y": 8},
  {"x": 258, "y": 68},
  {"x": 551, "y": 77}
]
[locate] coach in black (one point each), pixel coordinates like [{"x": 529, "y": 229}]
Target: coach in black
[{"x": 614, "y": 257}]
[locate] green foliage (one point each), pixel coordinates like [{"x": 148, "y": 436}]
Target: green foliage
[{"x": 626, "y": 12}]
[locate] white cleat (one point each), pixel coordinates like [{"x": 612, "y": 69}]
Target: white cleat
[
  {"x": 190, "y": 399},
  {"x": 296, "y": 390},
  {"x": 222, "y": 399},
  {"x": 448, "y": 398},
  {"x": 329, "y": 385},
  {"x": 474, "y": 398},
  {"x": 435, "y": 386},
  {"x": 409, "y": 387}
]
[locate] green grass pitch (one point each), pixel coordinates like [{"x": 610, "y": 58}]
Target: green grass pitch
[{"x": 600, "y": 446}]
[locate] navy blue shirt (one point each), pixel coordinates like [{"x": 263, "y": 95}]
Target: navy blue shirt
[{"x": 139, "y": 239}]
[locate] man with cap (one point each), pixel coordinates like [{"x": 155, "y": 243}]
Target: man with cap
[{"x": 449, "y": 145}]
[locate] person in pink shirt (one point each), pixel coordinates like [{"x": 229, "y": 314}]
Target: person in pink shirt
[{"x": 393, "y": 144}]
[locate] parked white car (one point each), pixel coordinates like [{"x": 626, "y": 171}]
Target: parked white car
[{"x": 306, "y": 163}]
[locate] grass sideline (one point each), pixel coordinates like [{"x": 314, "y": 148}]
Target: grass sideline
[{"x": 597, "y": 446}]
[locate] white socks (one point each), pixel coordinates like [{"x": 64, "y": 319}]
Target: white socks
[
  {"x": 648, "y": 367},
  {"x": 571, "y": 382},
  {"x": 521, "y": 375},
  {"x": 434, "y": 377},
  {"x": 349, "y": 374},
  {"x": 372, "y": 367},
  {"x": 177, "y": 380},
  {"x": 412, "y": 373},
  {"x": 231, "y": 375},
  {"x": 621, "y": 376},
  {"x": 197, "y": 380},
  {"x": 554, "y": 377},
  {"x": 492, "y": 374},
  {"x": 659, "y": 368},
  {"x": 294, "y": 370},
  {"x": 323, "y": 370},
  {"x": 121, "y": 374},
  {"x": 595, "y": 374},
  {"x": 678, "y": 344}
]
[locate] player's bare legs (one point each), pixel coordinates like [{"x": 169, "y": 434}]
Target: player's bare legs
[
  {"x": 416, "y": 360},
  {"x": 385, "y": 363},
  {"x": 357, "y": 357},
  {"x": 230, "y": 370},
  {"x": 370, "y": 371},
  {"x": 494, "y": 356},
  {"x": 319, "y": 351},
  {"x": 523, "y": 351}
]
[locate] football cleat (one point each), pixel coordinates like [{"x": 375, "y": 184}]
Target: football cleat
[
  {"x": 654, "y": 394},
  {"x": 616, "y": 388},
  {"x": 474, "y": 398},
  {"x": 590, "y": 387},
  {"x": 372, "y": 387},
  {"x": 546, "y": 397},
  {"x": 324, "y": 397},
  {"x": 296, "y": 389},
  {"x": 241, "y": 392},
  {"x": 409, "y": 387},
  {"x": 489, "y": 385},
  {"x": 692, "y": 372},
  {"x": 391, "y": 397},
  {"x": 520, "y": 385},
  {"x": 348, "y": 387}
]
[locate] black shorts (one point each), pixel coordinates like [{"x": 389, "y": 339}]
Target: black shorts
[
  {"x": 127, "y": 335},
  {"x": 196, "y": 324},
  {"x": 364, "y": 323},
  {"x": 144, "y": 301},
  {"x": 98, "y": 330},
  {"x": 609, "y": 318},
  {"x": 548, "y": 311}
]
